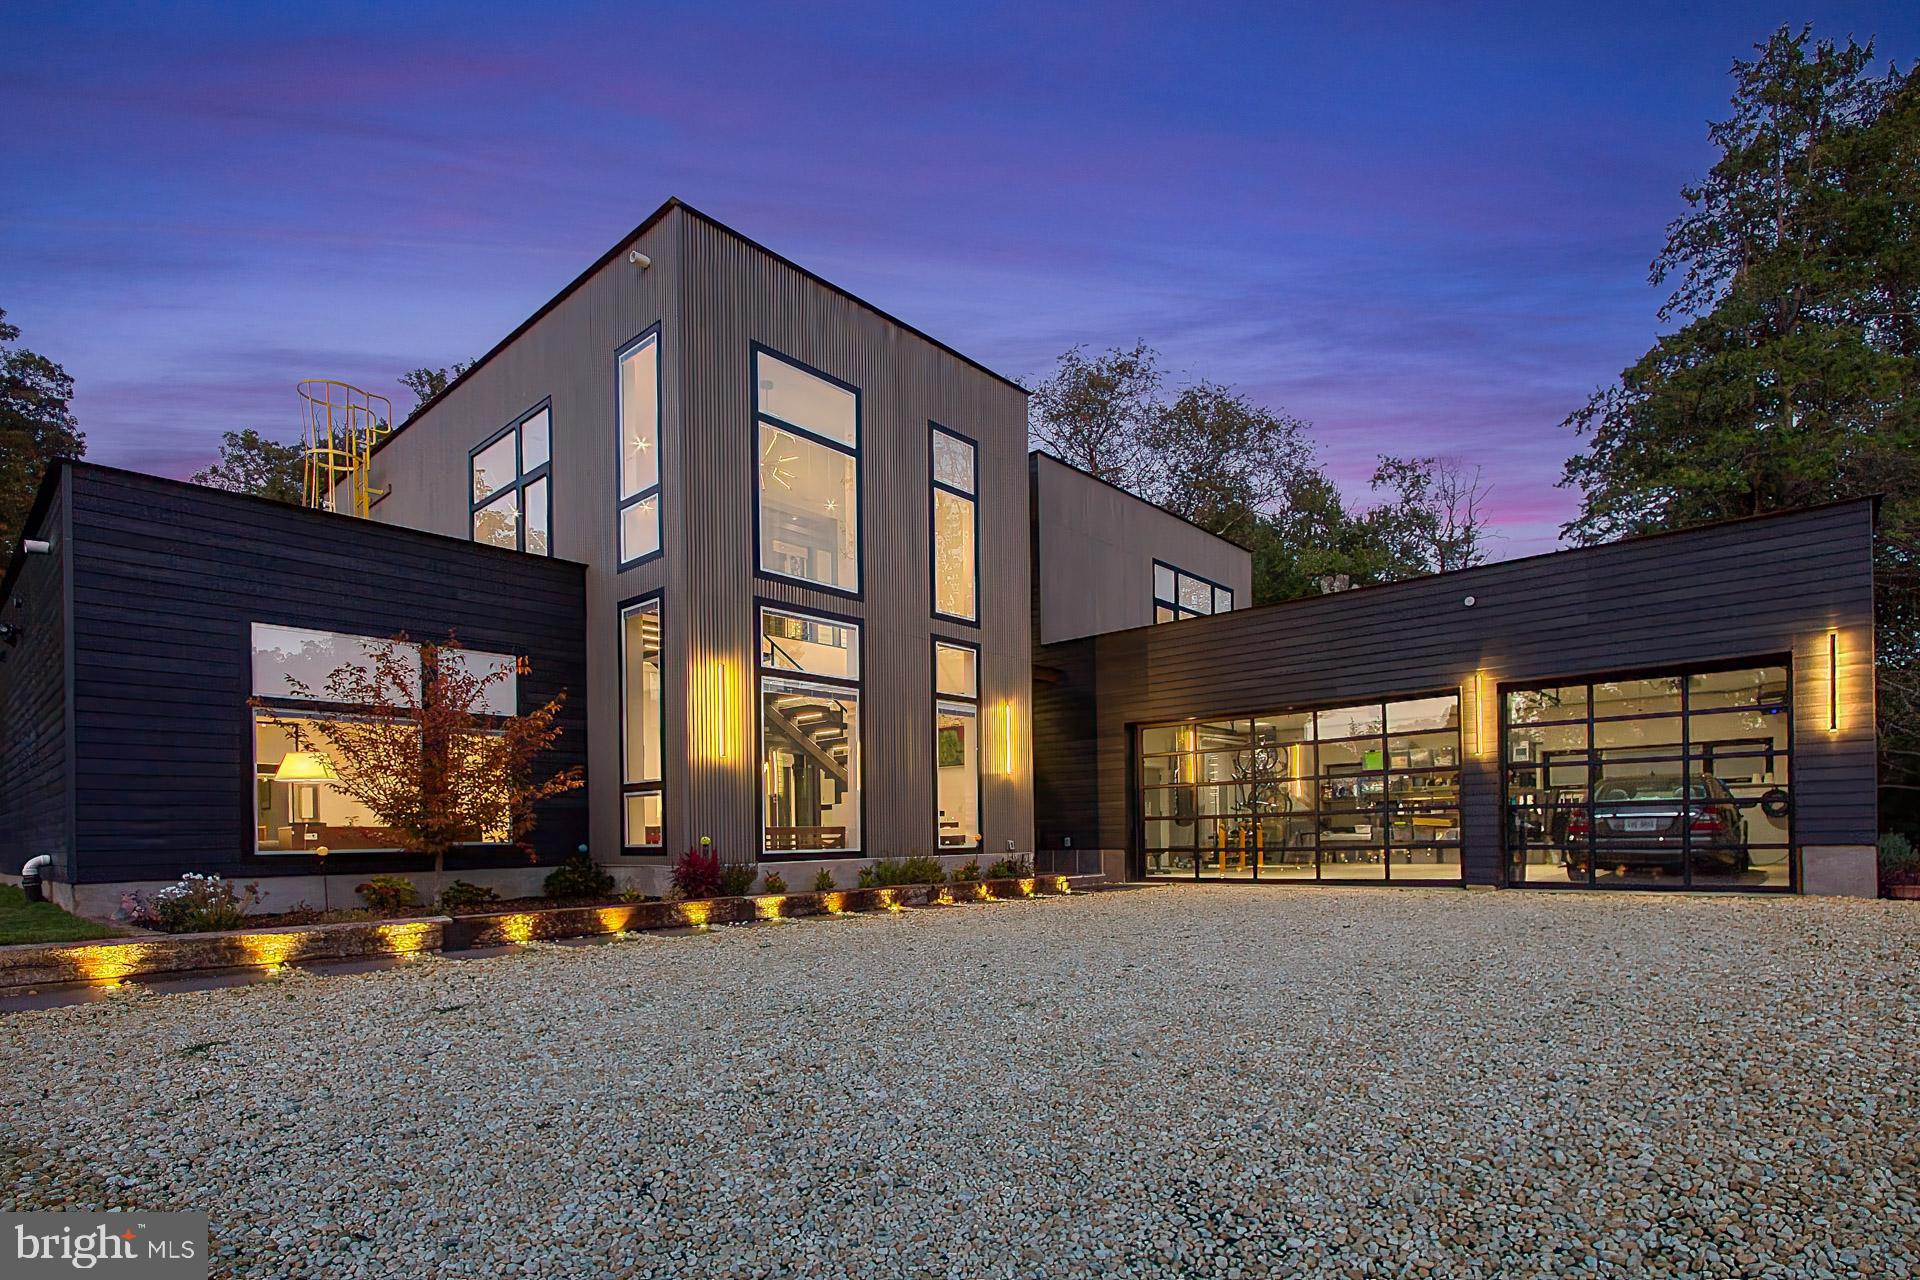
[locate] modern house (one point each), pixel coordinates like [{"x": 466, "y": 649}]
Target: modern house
[{"x": 812, "y": 598}]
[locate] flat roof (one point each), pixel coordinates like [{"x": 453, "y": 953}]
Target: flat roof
[
  {"x": 1494, "y": 566},
  {"x": 647, "y": 225}
]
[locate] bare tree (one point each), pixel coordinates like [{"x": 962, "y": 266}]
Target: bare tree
[
  {"x": 1096, "y": 413},
  {"x": 1436, "y": 520}
]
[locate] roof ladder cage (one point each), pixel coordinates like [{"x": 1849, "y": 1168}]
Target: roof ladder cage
[{"x": 341, "y": 424}]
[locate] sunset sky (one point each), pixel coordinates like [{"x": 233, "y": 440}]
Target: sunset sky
[{"x": 1422, "y": 228}]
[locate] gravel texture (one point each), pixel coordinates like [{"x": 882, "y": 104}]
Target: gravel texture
[{"x": 1178, "y": 1081}]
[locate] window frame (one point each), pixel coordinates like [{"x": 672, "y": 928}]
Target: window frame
[
  {"x": 1318, "y": 778},
  {"x": 857, "y": 687},
  {"x": 1180, "y": 612},
  {"x": 1680, "y": 753},
  {"x": 936, "y": 486},
  {"x": 976, "y": 702},
  {"x": 657, "y": 490},
  {"x": 522, "y": 481},
  {"x": 857, "y": 452},
  {"x": 290, "y": 707},
  {"x": 657, "y": 787}
]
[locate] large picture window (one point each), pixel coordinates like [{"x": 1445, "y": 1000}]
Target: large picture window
[
  {"x": 642, "y": 724},
  {"x": 1178, "y": 594},
  {"x": 956, "y": 526},
  {"x": 511, "y": 486},
  {"x": 956, "y": 743},
  {"x": 1676, "y": 781},
  {"x": 1363, "y": 792},
  {"x": 299, "y": 805},
  {"x": 808, "y": 445},
  {"x": 809, "y": 733},
  {"x": 639, "y": 396}
]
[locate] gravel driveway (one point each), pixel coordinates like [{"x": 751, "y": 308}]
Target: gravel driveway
[{"x": 1170, "y": 1081}]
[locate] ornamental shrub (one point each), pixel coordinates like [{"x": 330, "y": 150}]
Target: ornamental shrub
[
  {"x": 774, "y": 883},
  {"x": 577, "y": 877},
  {"x": 823, "y": 881},
  {"x": 894, "y": 871},
  {"x": 1011, "y": 868},
  {"x": 736, "y": 879},
  {"x": 195, "y": 904},
  {"x": 697, "y": 873},
  {"x": 1899, "y": 860},
  {"x": 967, "y": 872},
  {"x": 462, "y": 896},
  {"x": 388, "y": 893}
]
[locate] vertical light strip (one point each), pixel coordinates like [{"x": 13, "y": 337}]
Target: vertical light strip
[
  {"x": 1833, "y": 682},
  {"x": 1006, "y": 738}
]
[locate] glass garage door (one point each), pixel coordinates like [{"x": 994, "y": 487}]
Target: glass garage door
[
  {"x": 1369, "y": 792},
  {"x": 1671, "y": 781}
]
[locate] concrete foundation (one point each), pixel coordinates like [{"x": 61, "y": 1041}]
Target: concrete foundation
[
  {"x": 283, "y": 893},
  {"x": 1840, "y": 870}
]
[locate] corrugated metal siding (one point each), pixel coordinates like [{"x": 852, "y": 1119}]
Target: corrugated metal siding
[
  {"x": 1752, "y": 589},
  {"x": 735, "y": 296},
  {"x": 713, "y": 295},
  {"x": 167, "y": 580},
  {"x": 1094, "y": 548},
  {"x": 36, "y": 815}
]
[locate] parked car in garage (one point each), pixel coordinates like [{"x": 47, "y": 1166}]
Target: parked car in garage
[{"x": 1649, "y": 822}]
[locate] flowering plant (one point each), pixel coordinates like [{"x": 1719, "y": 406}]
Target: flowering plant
[{"x": 193, "y": 904}]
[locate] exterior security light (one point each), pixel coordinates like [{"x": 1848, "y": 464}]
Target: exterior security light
[{"x": 1470, "y": 601}]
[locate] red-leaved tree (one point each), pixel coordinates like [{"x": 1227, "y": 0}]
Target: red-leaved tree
[{"x": 419, "y": 751}]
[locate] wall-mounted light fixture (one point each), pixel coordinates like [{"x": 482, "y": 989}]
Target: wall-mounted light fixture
[
  {"x": 1833, "y": 682},
  {"x": 712, "y": 699},
  {"x": 1485, "y": 715},
  {"x": 1006, "y": 737}
]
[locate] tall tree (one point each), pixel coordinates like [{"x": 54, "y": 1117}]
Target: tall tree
[
  {"x": 37, "y": 428},
  {"x": 252, "y": 463},
  {"x": 1095, "y": 413},
  {"x": 428, "y": 383},
  {"x": 1222, "y": 461},
  {"x": 1436, "y": 521},
  {"x": 1794, "y": 374}
]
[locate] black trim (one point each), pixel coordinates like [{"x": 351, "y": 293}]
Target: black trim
[
  {"x": 1679, "y": 753},
  {"x": 754, "y": 350},
  {"x": 827, "y": 684},
  {"x": 659, "y": 788},
  {"x": 524, "y": 479},
  {"x": 980, "y": 746},
  {"x": 1136, "y": 789},
  {"x": 933, "y": 533},
  {"x": 657, "y": 489},
  {"x": 1180, "y": 612}
]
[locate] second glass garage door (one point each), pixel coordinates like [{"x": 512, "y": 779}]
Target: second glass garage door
[{"x": 1362, "y": 792}]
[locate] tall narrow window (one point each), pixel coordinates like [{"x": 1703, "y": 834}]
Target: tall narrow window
[
  {"x": 639, "y": 396},
  {"x": 809, "y": 733},
  {"x": 956, "y": 526},
  {"x": 807, "y": 429},
  {"x": 510, "y": 484},
  {"x": 642, "y": 718},
  {"x": 1178, "y": 594},
  {"x": 956, "y": 743}
]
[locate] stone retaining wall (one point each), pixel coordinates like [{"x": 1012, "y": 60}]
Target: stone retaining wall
[{"x": 37, "y": 965}]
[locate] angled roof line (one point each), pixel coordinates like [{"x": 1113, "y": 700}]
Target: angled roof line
[
  {"x": 647, "y": 225},
  {"x": 1053, "y": 457},
  {"x": 1872, "y": 500}
]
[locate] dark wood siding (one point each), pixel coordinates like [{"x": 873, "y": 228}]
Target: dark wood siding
[
  {"x": 167, "y": 580},
  {"x": 1772, "y": 586},
  {"x": 36, "y": 811}
]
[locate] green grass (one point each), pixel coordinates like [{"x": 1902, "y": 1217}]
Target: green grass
[{"x": 23, "y": 921}]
